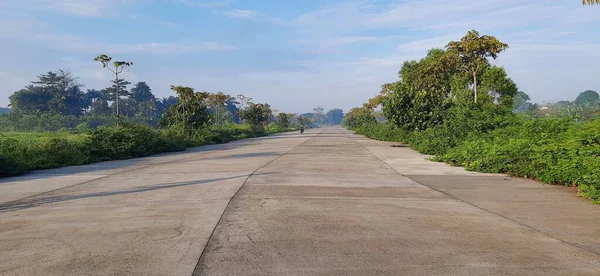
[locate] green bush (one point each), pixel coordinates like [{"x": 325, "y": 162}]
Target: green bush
[
  {"x": 22, "y": 152},
  {"x": 27, "y": 151},
  {"x": 553, "y": 150},
  {"x": 109, "y": 143},
  {"x": 53, "y": 122},
  {"x": 10, "y": 167}
]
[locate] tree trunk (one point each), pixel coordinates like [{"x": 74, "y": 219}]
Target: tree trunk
[
  {"x": 117, "y": 96},
  {"x": 475, "y": 85}
]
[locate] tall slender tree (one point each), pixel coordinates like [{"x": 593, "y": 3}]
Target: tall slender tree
[
  {"x": 219, "y": 110},
  {"x": 319, "y": 116},
  {"x": 117, "y": 67},
  {"x": 473, "y": 51},
  {"x": 242, "y": 103}
]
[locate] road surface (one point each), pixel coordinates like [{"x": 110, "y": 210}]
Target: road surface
[{"x": 324, "y": 203}]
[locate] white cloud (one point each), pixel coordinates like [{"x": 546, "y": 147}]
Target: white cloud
[
  {"x": 152, "y": 20},
  {"x": 78, "y": 44},
  {"x": 423, "y": 45},
  {"x": 203, "y": 3},
  {"x": 323, "y": 44},
  {"x": 351, "y": 39},
  {"x": 167, "y": 48},
  {"x": 239, "y": 14},
  {"x": 552, "y": 52},
  {"x": 86, "y": 8},
  {"x": 354, "y": 46}
]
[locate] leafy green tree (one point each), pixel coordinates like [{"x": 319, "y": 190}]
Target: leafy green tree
[
  {"x": 61, "y": 80},
  {"x": 30, "y": 100},
  {"x": 472, "y": 52},
  {"x": 319, "y": 115},
  {"x": 591, "y": 2},
  {"x": 257, "y": 115},
  {"x": 92, "y": 96},
  {"x": 56, "y": 92},
  {"x": 116, "y": 67},
  {"x": 73, "y": 102},
  {"x": 588, "y": 97},
  {"x": 242, "y": 102},
  {"x": 561, "y": 104},
  {"x": 163, "y": 104},
  {"x": 335, "y": 116},
  {"x": 190, "y": 111},
  {"x": 414, "y": 109},
  {"x": 100, "y": 108},
  {"x": 434, "y": 71},
  {"x": 143, "y": 100},
  {"x": 115, "y": 94},
  {"x": 379, "y": 99},
  {"x": 128, "y": 107},
  {"x": 309, "y": 118},
  {"x": 521, "y": 102},
  {"x": 141, "y": 92},
  {"x": 284, "y": 119},
  {"x": 498, "y": 87},
  {"x": 231, "y": 105},
  {"x": 216, "y": 103},
  {"x": 359, "y": 116},
  {"x": 303, "y": 121},
  {"x": 67, "y": 97}
]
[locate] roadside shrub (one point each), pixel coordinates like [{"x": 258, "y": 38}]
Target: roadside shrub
[
  {"x": 550, "y": 150},
  {"x": 129, "y": 141},
  {"x": 23, "y": 152},
  {"x": 53, "y": 122},
  {"x": 10, "y": 167},
  {"x": 553, "y": 150},
  {"x": 385, "y": 132},
  {"x": 55, "y": 152}
]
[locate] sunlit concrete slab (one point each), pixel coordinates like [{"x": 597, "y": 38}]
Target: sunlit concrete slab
[
  {"x": 341, "y": 204},
  {"x": 146, "y": 216},
  {"x": 324, "y": 203}
]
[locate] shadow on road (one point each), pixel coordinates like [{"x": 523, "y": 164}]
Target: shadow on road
[
  {"x": 37, "y": 201},
  {"x": 244, "y": 155},
  {"x": 148, "y": 160}
]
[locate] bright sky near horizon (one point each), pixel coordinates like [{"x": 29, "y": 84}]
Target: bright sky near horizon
[{"x": 294, "y": 55}]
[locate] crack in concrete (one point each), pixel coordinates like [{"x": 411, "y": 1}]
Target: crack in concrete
[{"x": 198, "y": 268}]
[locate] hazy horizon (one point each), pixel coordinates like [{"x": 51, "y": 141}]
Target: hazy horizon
[{"x": 293, "y": 55}]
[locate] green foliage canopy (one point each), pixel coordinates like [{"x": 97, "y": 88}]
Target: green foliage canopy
[
  {"x": 257, "y": 115},
  {"x": 588, "y": 97}
]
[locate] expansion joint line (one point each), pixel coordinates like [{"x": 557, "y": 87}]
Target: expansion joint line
[
  {"x": 236, "y": 194},
  {"x": 476, "y": 206}
]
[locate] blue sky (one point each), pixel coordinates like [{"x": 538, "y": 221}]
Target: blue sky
[{"x": 294, "y": 55}]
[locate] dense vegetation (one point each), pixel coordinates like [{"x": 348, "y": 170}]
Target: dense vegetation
[
  {"x": 24, "y": 151},
  {"x": 434, "y": 108},
  {"x": 53, "y": 122}
]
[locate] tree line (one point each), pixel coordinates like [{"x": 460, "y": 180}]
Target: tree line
[
  {"x": 59, "y": 92},
  {"x": 457, "y": 82},
  {"x": 57, "y": 96},
  {"x": 454, "y": 104}
]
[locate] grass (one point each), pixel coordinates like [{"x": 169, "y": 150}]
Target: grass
[{"x": 21, "y": 152}]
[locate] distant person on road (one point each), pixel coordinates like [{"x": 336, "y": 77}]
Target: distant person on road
[{"x": 301, "y": 129}]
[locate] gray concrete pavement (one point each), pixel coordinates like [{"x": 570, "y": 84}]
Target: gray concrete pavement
[
  {"x": 325, "y": 203},
  {"x": 341, "y": 204},
  {"x": 147, "y": 216}
]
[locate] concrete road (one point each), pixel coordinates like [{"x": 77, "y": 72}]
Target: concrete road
[{"x": 324, "y": 203}]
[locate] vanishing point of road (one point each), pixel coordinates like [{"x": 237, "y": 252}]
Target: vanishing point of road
[{"x": 324, "y": 203}]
